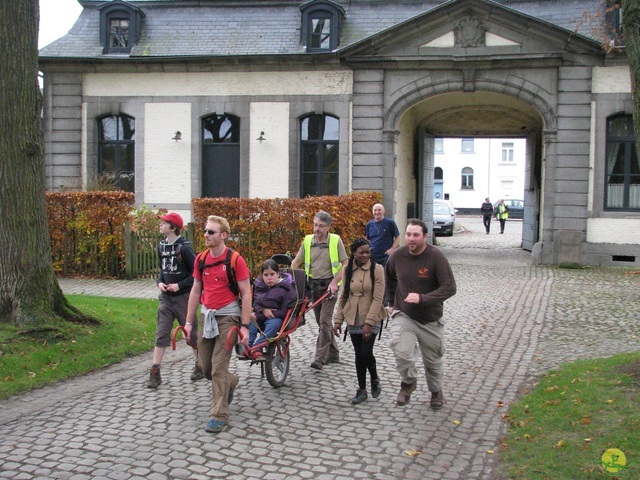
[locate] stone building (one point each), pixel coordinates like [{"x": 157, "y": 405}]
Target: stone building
[
  {"x": 177, "y": 99},
  {"x": 467, "y": 170}
]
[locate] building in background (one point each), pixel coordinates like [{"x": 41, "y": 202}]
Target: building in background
[
  {"x": 468, "y": 170},
  {"x": 263, "y": 98}
]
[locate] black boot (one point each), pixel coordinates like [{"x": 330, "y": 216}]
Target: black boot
[
  {"x": 375, "y": 388},
  {"x": 361, "y": 396}
]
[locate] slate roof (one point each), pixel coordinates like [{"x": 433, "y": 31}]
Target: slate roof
[{"x": 210, "y": 28}]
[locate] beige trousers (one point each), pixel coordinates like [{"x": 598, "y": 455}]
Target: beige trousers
[
  {"x": 411, "y": 340},
  {"x": 215, "y": 359}
]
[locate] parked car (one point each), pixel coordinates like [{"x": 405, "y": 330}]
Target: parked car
[
  {"x": 444, "y": 218},
  {"x": 515, "y": 206}
]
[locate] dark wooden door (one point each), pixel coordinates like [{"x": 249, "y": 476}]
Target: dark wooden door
[{"x": 221, "y": 170}]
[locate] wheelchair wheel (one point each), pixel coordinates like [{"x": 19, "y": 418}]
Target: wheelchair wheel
[{"x": 277, "y": 362}]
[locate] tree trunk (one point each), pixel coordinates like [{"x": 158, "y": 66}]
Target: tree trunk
[
  {"x": 29, "y": 291},
  {"x": 631, "y": 34}
]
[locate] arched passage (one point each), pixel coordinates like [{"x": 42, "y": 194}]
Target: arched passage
[{"x": 481, "y": 113}]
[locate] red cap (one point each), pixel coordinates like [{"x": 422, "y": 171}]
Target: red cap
[{"x": 173, "y": 218}]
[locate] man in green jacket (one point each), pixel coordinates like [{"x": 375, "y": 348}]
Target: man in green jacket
[{"x": 502, "y": 213}]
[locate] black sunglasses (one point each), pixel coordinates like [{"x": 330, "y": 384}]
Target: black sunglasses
[{"x": 210, "y": 232}]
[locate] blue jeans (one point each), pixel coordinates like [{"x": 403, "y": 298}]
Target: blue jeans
[{"x": 270, "y": 327}]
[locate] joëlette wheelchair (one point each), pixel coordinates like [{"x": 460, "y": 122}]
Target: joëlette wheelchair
[{"x": 275, "y": 361}]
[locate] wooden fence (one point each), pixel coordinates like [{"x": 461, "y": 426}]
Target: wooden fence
[
  {"x": 141, "y": 252},
  {"x": 86, "y": 256}
]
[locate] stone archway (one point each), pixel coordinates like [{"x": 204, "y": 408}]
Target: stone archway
[{"x": 481, "y": 113}]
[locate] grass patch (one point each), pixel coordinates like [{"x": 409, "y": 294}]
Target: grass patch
[
  {"x": 37, "y": 358},
  {"x": 562, "y": 428}
]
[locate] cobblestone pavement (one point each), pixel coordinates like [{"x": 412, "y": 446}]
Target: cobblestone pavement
[{"x": 508, "y": 321}]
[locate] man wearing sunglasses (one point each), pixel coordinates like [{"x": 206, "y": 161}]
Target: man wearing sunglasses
[{"x": 220, "y": 312}]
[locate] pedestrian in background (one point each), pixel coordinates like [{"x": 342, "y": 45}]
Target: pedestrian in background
[
  {"x": 502, "y": 213},
  {"x": 360, "y": 305},
  {"x": 487, "y": 212},
  {"x": 383, "y": 234},
  {"x": 174, "y": 282},
  {"x": 324, "y": 258},
  {"x": 419, "y": 280}
]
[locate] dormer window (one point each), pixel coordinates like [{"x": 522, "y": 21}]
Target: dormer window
[
  {"x": 321, "y": 21},
  {"x": 120, "y": 24},
  {"x": 613, "y": 22},
  {"x": 118, "y": 33}
]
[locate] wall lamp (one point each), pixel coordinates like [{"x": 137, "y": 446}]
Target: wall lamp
[
  {"x": 261, "y": 137},
  {"x": 177, "y": 136}
]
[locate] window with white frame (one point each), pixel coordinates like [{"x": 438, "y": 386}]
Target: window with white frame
[
  {"x": 622, "y": 165},
  {"x": 467, "y": 178},
  {"x": 507, "y": 152},
  {"x": 438, "y": 146},
  {"x": 467, "y": 145}
]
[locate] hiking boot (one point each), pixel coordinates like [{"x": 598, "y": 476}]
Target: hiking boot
[
  {"x": 375, "y": 388},
  {"x": 214, "y": 426},
  {"x": 154, "y": 377},
  {"x": 406, "y": 389},
  {"x": 197, "y": 373},
  {"x": 361, "y": 396},
  {"x": 317, "y": 364},
  {"x": 437, "y": 400}
]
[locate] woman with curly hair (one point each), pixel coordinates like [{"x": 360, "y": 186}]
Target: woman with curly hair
[{"x": 360, "y": 305}]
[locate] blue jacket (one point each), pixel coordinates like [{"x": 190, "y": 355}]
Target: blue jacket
[{"x": 277, "y": 298}]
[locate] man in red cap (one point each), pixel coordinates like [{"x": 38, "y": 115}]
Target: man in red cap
[{"x": 175, "y": 282}]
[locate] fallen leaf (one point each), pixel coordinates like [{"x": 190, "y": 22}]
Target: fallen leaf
[
  {"x": 456, "y": 422},
  {"x": 560, "y": 444},
  {"x": 412, "y": 452},
  {"x": 490, "y": 452},
  {"x": 609, "y": 402}
]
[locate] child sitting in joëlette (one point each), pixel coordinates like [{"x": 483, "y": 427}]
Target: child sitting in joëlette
[{"x": 273, "y": 293}]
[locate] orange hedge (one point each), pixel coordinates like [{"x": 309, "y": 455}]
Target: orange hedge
[
  {"x": 86, "y": 230},
  {"x": 263, "y": 227},
  {"x": 87, "y": 236}
]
